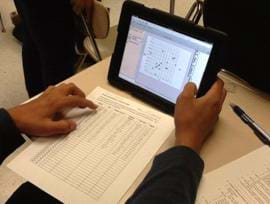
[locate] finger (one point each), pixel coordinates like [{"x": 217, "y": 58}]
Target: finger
[
  {"x": 59, "y": 127},
  {"x": 76, "y": 101},
  {"x": 224, "y": 94},
  {"x": 189, "y": 91},
  {"x": 215, "y": 92},
  {"x": 71, "y": 89},
  {"x": 60, "y": 86},
  {"x": 48, "y": 90}
]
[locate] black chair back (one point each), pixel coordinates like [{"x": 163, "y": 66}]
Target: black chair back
[{"x": 247, "y": 24}]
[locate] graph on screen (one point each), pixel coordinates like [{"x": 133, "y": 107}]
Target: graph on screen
[{"x": 164, "y": 61}]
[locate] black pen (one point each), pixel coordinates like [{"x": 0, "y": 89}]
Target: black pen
[{"x": 259, "y": 132}]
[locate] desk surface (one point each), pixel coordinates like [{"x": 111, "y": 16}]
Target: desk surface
[{"x": 231, "y": 138}]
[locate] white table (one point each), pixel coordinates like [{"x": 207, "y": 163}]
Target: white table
[{"x": 231, "y": 138}]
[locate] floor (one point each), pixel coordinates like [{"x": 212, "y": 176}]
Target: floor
[{"x": 12, "y": 88}]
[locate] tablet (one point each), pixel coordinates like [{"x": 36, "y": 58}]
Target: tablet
[{"x": 156, "y": 54}]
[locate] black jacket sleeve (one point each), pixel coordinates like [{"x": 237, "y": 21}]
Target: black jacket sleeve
[
  {"x": 10, "y": 137},
  {"x": 173, "y": 178}
]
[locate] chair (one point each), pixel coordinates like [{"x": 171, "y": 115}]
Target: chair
[
  {"x": 195, "y": 12},
  {"x": 97, "y": 29},
  {"x": 246, "y": 24},
  {"x": 2, "y": 24}
]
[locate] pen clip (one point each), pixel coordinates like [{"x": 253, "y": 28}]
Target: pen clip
[{"x": 246, "y": 119}]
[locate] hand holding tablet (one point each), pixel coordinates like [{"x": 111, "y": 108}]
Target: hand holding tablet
[{"x": 156, "y": 54}]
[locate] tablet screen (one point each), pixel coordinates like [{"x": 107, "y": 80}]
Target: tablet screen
[{"x": 161, "y": 60}]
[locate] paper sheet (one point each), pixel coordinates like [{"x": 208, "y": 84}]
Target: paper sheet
[
  {"x": 246, "y": 180},
  {"x": 99, "y": 161}
]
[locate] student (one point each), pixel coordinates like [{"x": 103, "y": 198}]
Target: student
[{"x": 175, "y": 174}]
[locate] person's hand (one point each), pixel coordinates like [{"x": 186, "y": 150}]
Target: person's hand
[
  {"x": 196, "y": 117},
  {"x": 44, "y": 116},
  {"x": 83, "y": 5}
]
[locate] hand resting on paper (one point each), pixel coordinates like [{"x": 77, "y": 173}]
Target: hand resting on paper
[
  {"x": 44, "y": 116},
  {"x": 196, "y": 117}
]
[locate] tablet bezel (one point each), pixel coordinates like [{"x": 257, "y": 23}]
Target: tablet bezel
[{"x": 177, "y": 24}]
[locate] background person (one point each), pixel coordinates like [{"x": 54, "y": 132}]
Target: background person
[{"x": 48, "y": 40}]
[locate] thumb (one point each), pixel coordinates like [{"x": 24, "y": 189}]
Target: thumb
[
  {"x": 60, "y": 126},
  {"x": 189, "y": 91}
]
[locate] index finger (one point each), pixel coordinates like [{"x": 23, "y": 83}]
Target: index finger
[{"x": 76, "y": 101}]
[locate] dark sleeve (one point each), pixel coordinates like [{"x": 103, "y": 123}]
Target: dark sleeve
[
  {"x": 173, "y": 178},
  {"x": 28, "y": 193},
  {"x": 10, "y": 137}
]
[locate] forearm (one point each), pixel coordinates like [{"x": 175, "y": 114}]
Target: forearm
[
  {"x": 10, "y": 137},
  {"x": 173, "y": 178}
]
